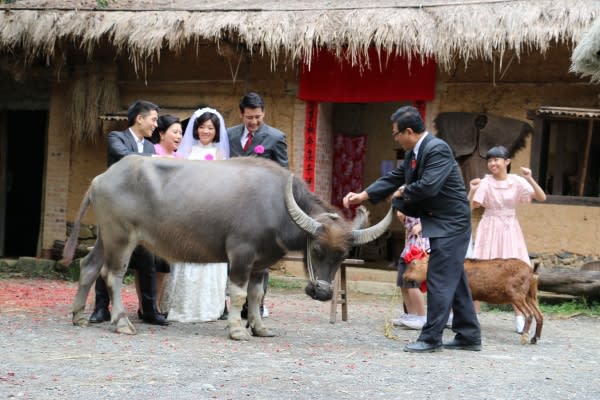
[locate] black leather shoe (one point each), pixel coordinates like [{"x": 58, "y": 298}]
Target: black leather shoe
[
  {"x": 140, "y": 316},
  {"x": 460, "y": 345},
  {"x": 100, "y": 315},
  {"x": 155, "y": 319},
  {"x": 224, "y": 316},
  {"x": 422, "y": 347}
]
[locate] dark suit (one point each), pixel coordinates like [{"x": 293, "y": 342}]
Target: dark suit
[
  {"x": 274, "y": 147},
  {"x": 121, "y": 144},
  {"x": 435, "y": 192},
  {"x": 272, "y": 141}
]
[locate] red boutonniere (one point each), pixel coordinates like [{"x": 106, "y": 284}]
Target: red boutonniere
[
  {"x": 259, "y": 149},
  {"x": 413, "y": 163}
]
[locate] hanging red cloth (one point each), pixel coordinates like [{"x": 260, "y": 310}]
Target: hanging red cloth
[
  {"x": 386, "y": 79},
  {"x": 349, "y": 153}
]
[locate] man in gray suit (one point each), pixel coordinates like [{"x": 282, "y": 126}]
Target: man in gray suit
[
  {"x": 429, "y": 185},
  {"x": 255, "y": 138},
  {"x": 142, "y": 118}
]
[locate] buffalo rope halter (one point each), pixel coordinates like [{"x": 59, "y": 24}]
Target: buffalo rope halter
[{"x": 309, "y": 263}]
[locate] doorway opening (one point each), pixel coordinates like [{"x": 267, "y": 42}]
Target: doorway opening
[{"x": 22, "y": 154}]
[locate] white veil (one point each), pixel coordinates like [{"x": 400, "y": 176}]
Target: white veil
[{"x": 188, "y": 137}]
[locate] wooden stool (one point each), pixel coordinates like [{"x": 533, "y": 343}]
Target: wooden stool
[{"x": 340, "y": 291}]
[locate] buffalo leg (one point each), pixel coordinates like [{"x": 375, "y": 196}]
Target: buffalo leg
[
  {"x": 117, "y": 257},
  {"x": 89, "y": 271},
  {"x": 237, "y": 295},
  {"x": 255, "y": 297}
]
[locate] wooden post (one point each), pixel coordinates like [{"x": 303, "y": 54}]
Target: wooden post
[{"x": 586, "y": 157}]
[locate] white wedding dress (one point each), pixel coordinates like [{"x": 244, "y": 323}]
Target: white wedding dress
[{"x": 196, "y": 292}]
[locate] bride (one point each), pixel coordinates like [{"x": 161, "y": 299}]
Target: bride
[{"x": 196, "y": 292}]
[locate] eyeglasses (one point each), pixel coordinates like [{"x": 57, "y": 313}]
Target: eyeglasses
[{"x": 396, "y": 133}]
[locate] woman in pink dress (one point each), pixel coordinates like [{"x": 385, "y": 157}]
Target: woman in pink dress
[
  {"x": 499, "y": 234},
  {"x": 167, "y": 136}
]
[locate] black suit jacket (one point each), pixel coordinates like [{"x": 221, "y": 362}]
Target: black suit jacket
[
  {"x": 121, "y": 144},
  {"x": 434, "y": 190},
  {"x": 272, "y": 141}
]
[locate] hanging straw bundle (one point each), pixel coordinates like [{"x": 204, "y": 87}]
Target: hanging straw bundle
[{"x": 95, "y": 92}]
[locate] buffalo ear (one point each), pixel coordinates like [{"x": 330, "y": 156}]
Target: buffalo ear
[{"x": 361, "y": 220}]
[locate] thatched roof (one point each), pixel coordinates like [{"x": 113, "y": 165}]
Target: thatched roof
[
  {"x": 586, "y": 56},
  {"x": 287, "y": 30}
]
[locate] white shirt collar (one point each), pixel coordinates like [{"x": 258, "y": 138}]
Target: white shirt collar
[
  {"x": 138, "y": 141},
  {"x": 418, "y": 145}
]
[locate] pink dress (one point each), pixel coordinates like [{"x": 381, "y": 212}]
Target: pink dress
[
  {"x": 158, "y": 149},
  {"x": 499, "y": 234}
]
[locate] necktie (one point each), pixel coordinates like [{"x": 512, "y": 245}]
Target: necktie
[
  {"x": 248, "y": 141},
  {"x": 413, "y": 162}
]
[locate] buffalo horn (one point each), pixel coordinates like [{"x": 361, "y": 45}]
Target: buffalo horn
[
  {"x": 303, "y": 220},
  {"x": 362, "y": 236}
]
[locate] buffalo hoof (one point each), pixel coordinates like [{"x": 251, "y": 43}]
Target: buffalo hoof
[
  {"x": 239, "y": 333},
  {"x": 525, "y": 338},
  {"x": 81, "y": 321},
  {"x": 125, "y": 327},
  {"x": 263, "y": 332}
]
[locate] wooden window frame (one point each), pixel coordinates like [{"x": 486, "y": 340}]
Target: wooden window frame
[{"x": 542, "y": 120}]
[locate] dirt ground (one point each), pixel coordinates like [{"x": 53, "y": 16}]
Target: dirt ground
[{"x": 43, "y": 356}]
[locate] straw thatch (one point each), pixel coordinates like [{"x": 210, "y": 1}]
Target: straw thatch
[
  {"x": 289, "y": 30},
  {"x": 586, "y": 56},
  {"x": 94, "y": 93}
]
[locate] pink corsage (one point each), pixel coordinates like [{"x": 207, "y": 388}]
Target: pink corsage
[
  {"x": 259, "y": 149},
  {"x": 209, "y": 157}
]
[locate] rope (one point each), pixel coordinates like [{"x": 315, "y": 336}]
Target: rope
[
  {"x": 387, "y": 321},
  {"x": 309, "y": 266}
]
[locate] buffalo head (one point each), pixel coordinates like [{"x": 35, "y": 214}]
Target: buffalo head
[{"x": 329, "y": 240}]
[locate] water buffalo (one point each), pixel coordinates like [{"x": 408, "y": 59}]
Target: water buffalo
[{"x": 248, "y": 212}]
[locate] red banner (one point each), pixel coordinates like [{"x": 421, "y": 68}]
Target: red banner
[
  {"x": 310, "y": 143},
  {"x": 388, "y": 78}
]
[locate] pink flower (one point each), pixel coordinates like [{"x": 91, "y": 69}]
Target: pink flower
[
  {"x": 259, "y": 149},
  {"x": 209, "y": 157}
]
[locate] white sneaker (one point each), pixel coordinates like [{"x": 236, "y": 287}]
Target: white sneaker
[
  {"x": 415, "y": 323},
  {"x": 403, "y": 317},
  {"x": 519, "y": 323}
]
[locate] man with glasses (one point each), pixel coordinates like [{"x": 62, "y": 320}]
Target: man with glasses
[{"x": 429, "y": 185}]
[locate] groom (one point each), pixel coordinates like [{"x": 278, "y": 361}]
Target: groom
[
  {"x": 142, "y": 118},
  {"x": 255, "y": 138}
]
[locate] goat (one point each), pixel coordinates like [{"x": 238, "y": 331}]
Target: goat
[{"x": 498, "y": 281}]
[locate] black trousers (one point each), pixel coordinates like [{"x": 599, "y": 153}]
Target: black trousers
[
  {"x": 144, "y": 261},
  {"x": 448, "y": 288}
]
